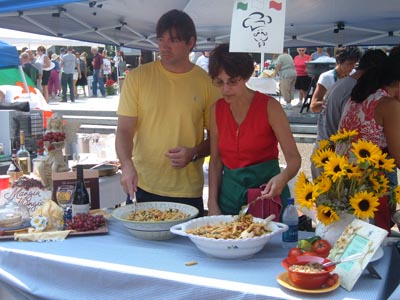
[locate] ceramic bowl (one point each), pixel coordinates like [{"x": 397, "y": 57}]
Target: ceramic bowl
[
  {"x": 227, "y": 248},
  {"x": 152, "y": 230},
  {"x": 303, "y": 279}
]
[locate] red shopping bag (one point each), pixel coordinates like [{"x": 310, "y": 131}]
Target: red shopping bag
[{"x": 263, "y": 208}]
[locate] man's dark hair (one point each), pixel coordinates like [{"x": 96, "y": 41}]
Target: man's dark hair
[{"x": 179, "y": 21}]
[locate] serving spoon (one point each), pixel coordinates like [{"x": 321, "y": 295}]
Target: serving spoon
[
  {"x": 245, "y": 208},
  {"x": 335, "y": 262},
  {"x": 245, "y": 234}
]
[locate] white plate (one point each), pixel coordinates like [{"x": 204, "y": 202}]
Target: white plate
[{"x": 377, "y": 255}]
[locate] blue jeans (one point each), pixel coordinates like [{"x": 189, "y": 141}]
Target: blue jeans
[
  {"x": 143, "y": 196},
  {"x": 67, "y": 79},
  {"x": 98, "y": 80}
]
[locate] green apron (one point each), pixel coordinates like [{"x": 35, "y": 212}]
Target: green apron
[{"x": 235, "y": 182}]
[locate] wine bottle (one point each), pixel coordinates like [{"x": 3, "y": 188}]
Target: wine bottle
[
  {"x": 14, "y": 170},
  {"x": 24, "y": 158},
  {"x": 80, "y": 197}
]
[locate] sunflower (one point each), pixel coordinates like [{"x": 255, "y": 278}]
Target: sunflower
[
  {"x": 343, "y": 136},
  {"x": 336, "y": 167},
  {"x": 323, "y": 185},
  {"x": 364, "y": 204},
  {"x": 385, "y": 163},
  {"x": 305, "y": 195},
  {"x": 367, "y": 153},
  {"x": 324, "y": 144},
  {"x": 321, "y": 157},
  {"x": 396, "y": 193},
  {"x": 301, "y": 181},
  {"x": 352, "y": 171},
  {"x": 327, "y": 215},
  {"x": 379, "y": 182}
]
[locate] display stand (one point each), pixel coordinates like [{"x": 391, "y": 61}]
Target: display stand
[{"x": 310, "y": 92}]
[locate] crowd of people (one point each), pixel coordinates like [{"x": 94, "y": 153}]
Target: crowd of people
[{"x": 59, "y": 75}]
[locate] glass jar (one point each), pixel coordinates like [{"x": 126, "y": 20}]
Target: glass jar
[{"x": 13, "y": 215}]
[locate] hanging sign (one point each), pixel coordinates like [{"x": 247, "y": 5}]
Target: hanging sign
[{"x": 258, "y": 26}]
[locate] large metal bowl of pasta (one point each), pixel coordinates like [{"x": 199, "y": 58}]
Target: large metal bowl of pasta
[
  {"x": 153, "y": 220},
  {"x": 228, "y": 236}
]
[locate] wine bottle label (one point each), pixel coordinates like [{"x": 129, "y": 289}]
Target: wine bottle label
[{"x": 80, "y": 209}]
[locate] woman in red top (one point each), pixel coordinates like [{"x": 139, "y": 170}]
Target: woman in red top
[
  {"x": 303, "y": 81},
  {"x": 245, "y": 129}
]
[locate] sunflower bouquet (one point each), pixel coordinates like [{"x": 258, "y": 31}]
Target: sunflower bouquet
[{"x": 352, "y": 179}]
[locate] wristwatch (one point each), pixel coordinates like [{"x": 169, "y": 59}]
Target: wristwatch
[{"x": 195, "y": 157}]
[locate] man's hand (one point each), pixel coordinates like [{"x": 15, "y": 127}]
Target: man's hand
[
  {"x": 129, "y": 179},
  {"x": 179, "y": 157}
]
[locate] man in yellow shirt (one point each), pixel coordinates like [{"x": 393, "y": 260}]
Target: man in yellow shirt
[{"x": 163, "y": 112}]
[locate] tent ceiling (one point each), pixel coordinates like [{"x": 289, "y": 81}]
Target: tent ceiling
[{"x": 131, "y": 23}]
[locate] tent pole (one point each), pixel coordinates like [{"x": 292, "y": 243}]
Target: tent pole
[{"x": 21, "y": 71}]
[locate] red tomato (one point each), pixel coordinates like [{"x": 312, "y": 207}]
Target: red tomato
[
  {"x": 295, "y": 252},
  {"x": 322, "y": 247},
  {"x": 335, "y": 276},
  {"x": 330, "y": 282}
]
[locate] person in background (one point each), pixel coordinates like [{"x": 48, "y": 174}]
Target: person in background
[
  {"x": 97, "y": 64},
  {"x": 303, "y": 81},
  {"x": 373, "y": 110},
  {"x": 106, "y": 66},
  {"x": 77, "y": 75},
  {"x": 284, "y": 67},
  {"x": 68, "y": 65},
  {"x": 82, "y": 81},
  {"x": 202, "y": 61},
  {"x": 319, "y": 53},
  {"x": 161, "y": 140},
  {"x": 54, "y": 80},
  {"x": 346, "y": 59},
  {"x": 119, "y": 64},
  {"x": 336, "y": 98},
  {"x": 245, "y": 130},
  {"x": 44, "y": 66}
]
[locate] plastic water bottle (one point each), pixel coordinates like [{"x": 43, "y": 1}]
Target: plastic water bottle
[{"x": 290, "y": 218}]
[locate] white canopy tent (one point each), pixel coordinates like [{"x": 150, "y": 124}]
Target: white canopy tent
[
  {"x": 32, "y": 41},
  {"x": 131, "y": 23}
]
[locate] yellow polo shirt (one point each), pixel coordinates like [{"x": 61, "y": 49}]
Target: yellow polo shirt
[{"x": 172, "y": 110}]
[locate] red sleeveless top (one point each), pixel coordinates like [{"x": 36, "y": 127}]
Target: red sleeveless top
[{"x": 253, "y": 141}]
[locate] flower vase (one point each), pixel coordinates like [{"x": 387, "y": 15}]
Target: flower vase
[{"x": 333, "y": 231}]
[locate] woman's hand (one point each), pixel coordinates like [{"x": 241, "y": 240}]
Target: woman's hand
[{"x": 274, "y": 186}]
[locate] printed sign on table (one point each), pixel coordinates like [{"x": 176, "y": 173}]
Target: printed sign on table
[
  {"x": 31, "y": 198},
  {"x": 258, "y": 26}
]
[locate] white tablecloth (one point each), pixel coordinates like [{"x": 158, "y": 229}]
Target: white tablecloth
[{"x": 119, "y": 266}]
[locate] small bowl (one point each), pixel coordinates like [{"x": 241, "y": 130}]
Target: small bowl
[
  {"x": 152, "y": 230},
  {"x": 307, "y": 280}
]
